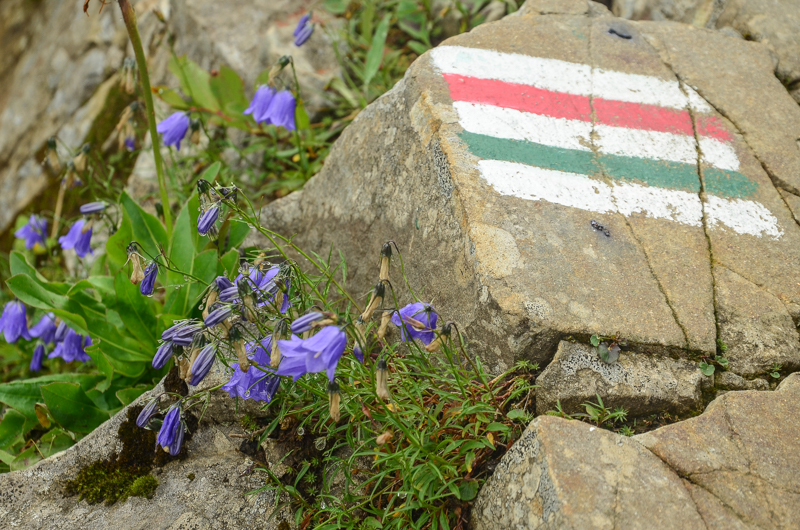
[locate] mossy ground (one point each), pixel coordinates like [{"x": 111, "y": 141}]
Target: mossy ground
[{"x": 126, "y": 474}]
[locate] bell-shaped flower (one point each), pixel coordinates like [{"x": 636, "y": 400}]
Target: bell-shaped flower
[
  {"x": 163, "y": 354},
  {"x": 33, "y": 232},
  {"x": 38, "y": 357},
  {"x": 45, "y": 329},
  {"x": 170, "y": 437},
  {"x": 72, "y": 348},
  {"x": 185, "y": 335},
  {"x": 281, "y": 110},
  {"x": 78, "y": 238},
  {"x": 174, "y": 129},
  {"x": 61, "y": 332},
  {"x": 147, "y": 413},
  {"x": 263, "y": 286},
  {"x": 256, "y": 384},
  {"x": 259, "y": 106},
  {"x": 418, "y": 322},
  {"x": 218, "y": 315},
  {"x": 304, "y": 323},
  {"x": 206, "y": 221},
  {"x": 202, "y": 364},
  {"x": 93, "y": 207},
  {"x": 320, "y": 353},
  {"x": 222, "y": 283},
  {"x": 303, "y": 30},
  {"x": 14, "y": 322},
  {"x": 149, "y": 281}
]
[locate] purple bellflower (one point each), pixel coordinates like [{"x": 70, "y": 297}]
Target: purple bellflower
[
  {"x": 320, "y": 353},
  {"x": 222, "y": 283},
  {"x": 255, "y": 384},
  {"x": 418, "y": 322},
  {"x": 281, "y": 110},
  {"x": 185, "y": 335},
  {"x": 203, "y": 363},
  {"x": 229, "y": 294},
  {"x": 93, "y": 207},
  {"x": 259, "y": 106},
  {"x": 71, "y": 348},
  {"x": 45, "y": 330},
  {"x": 130, "y": 143},
  {"x": 218, "y": 315},
  {"x": 14, "y": 322},
  {"x": 207, "y": 220},
  {"x": 61, "y": 332},
  {"x": 147, "y": 413},
  {"x": 78, "y": 239},
  {"x": 33, "y": 232},
  {"x": 303, "y": 324},
  {"x": 262, "y": 285},
  {"x": 303, "y": 30},
  {"x": 149, "y": 282},
  {"x": 163, "y": 354},
  {"x": 170, "y": 437},
  {"x": 38, "y": 357},
  {"x": 170, "y": 332},
  {"x": 174, "y": 129}
]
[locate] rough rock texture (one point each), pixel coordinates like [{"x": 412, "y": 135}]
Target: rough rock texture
[
  {"x": 771, "y": 22},
  {"x": 640, "y": 383},
  {"x": 502, "y": 242},
  {"x": 58, "y": 69},
  {"x": 206, "y": 490},
  {"x": 735, "y": 466}
]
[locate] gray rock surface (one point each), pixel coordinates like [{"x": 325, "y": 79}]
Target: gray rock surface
[
  {"x": 735, "y": 466},
  {"x": 520, "y": 271},
  {"x": 58, "y": 71},
  {"x": 640, "y": 383},
  {"x": 771, "y": 22},
  {"x": 208, "y": 489}
]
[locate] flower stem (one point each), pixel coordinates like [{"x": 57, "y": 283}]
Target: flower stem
[{"x": 133, "y": 31}]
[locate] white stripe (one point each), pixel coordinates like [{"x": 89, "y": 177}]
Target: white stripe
[
  {"x": 576, "y": 134},
  {"x": 517, "y": 125},
  {"x": 580, "y": 191},
  {"x": 562, "y": 76}
]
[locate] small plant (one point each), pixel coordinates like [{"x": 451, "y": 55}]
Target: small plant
[
  {"x": 608, "y": 347},
  {"x": 596, "y": 413},
  {"x": 627, "y": 430},
  {"x": 776, "y": 371},
  {"x": 708, "y": 364}
]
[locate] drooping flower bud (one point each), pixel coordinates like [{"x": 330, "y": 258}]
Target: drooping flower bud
[
  {"x": 38, "y": 357},
  {"x": 377, "y": 299},
  {"x": 61, "y": 332},
  {"x": 386, "y": 258},
  {"x": 278, "y": 67},
  {"x": 93, "y": 207},
  {"x": 205, "y": 223},
  {"x": 170, "y": 437},
  {"x": 303, "y": 323},
  {"x": 163, "y": 354},
  {"x": 382, "y": 380},
  {"x": 334, "y": 399},
  {"x": 149, "y": 280},
  {"x": 52, "y": 155},
  {"x": 202, "y": 364},
  {"x": 168, "y": 333},
  {"x": 185, "y": 334},
  {"x": 384, "y": 327},
  {"x": 137, "y": 275},
  {"x": 147, "y": 413},
  {"x": 216, "y": 316},
  {"x": 222, "y": 282}
]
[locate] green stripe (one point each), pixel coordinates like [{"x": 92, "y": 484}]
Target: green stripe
[{"x": 658, "y": 173}]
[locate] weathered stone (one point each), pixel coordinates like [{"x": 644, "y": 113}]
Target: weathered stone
[
  {"x": 491, "y": 197},
  {"x": 735, "y": 466},
  {"x": 771, "y": 22},
  {"x": 726, "y": 380},
  {"x": 208, "y": 489},
  {"x": 640, "y": 383}
]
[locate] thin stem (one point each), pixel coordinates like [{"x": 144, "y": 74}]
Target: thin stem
[{"x": 133, "y": 32}]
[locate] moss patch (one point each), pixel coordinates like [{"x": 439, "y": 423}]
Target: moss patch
[{"x": 126, "y": 474}]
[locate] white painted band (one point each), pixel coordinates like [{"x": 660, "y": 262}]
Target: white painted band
[
  {"x": 585, "y": 193},
  {"x": 563, "y": 76}
]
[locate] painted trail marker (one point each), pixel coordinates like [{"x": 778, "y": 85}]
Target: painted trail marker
[{"x": 599, "y": 140}]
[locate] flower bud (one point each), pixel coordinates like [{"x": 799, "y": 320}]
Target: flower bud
[
  {"x": 170, "y": 436},
  {"x": 218, "y": 315},
  {"x": 228, "y": 294},
  {"x": 149, "y": 280},
  {"x": 184, "y": 336},
  {"x": 38, "y": 357},
  {"x": 202, "y": 364},
  {"x": 382, "y": 380},
  {"x": 222, "y": 283},
  {"x": 206, "y": 221},
  {"x": 377, "y": 299},
  {"x": 147, "y": 413},
  {"x": 93, "y": 207},
  {"x": 386, "y": 258},
  {"x": 334, "y": 399},
  {"x": 385, "y": 319},
  {"x": 163, "y": 354},
  {"x": 61, "y": 332},
  {"x": 303, "y": 323},
  {"x": 168, "y": 333}
]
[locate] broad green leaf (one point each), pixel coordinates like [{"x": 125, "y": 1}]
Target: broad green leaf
[
  {"x": 228, "y": 89},
  {"x": 495, "y": 426},
  {"x": 417, "y": 47},
  {"x": 301, "y": 116},
  {"x": 35, "y": 294},
  {"x": 23, "y": 395},
  {"x": 195, "y": 82},
  {"x": 595, "y": 340},
  {"x": 707, "y": 369},
  {"x": 231, "y": 235},
  {"x": 72, "y": 408},
  {"x": 171, "y": 98},
  {"x": 25, "y": 459},
  {"x": 146, "y": 229},
  {"x": 13, "y": 425},
  {"x": 19, "y": 265},
  {"x": 6, "y": 458},
  {"x": 136, "y": 311},
  {"x": 375, "y": 54},
  {"x": 127, "y": 396},
  {"x": 55, "y": 441},
  {"x": 338, "y": 7},
  {"x": 185, "y": 299},
  {"x": 229, "y": 264},
  {"x": 516, "y": 414},
  {"x": 210, "y": 174}
]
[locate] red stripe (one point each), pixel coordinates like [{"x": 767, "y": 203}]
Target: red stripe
[{"x": 527, "y": 98}]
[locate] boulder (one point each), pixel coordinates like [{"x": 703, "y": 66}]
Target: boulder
[
  {"x": 58, "y": 71},
  {"x": 207, "y": 486},
  {"x": 642, "y": 384},
  {"x": 771, "y": 22},
  {"x": 563, "y": 173},
  {"x": 735, "y": 466}
]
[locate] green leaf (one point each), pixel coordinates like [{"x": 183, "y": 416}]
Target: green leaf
[
  {"x": 603, "y": 351},
  {"x": 495, "y": 426},
  {"x": 146, "y": 229},
  {"x": 229, "y": 264},
  {"x": 12, "y": 427},
  {"x": 19, "y": 265},
  {"x": 72, "y": 408},
  {"x": 23, "y": 395},
  {"x": 228, "y": 89},
  {"x": 195, "y": 82},
  {"x": 126, "y": 396},
  {"x": 136, "y": 311},
  {"x": 468, "y": 490},
  {"x": 707, "y": 369},
  {"x": 417, "y": 47},
  {"x": 301, "y": 116},
  {"x": 171, "y": 98},
  {"x": 25, "y": 459},
  {"x": 516, "y": 414},
  {"x": 184, "y": 300},
  {"x": 210, "y": 174},
  {"x": 595, "y": 340},
  {"x": 117, "y": 244},
  {"x": 722, "y": 361},
  {"x": 375, "y": 53},
  {"x": 232, "y": 234},
  {"x": 337, "y": 7},
  {"x": 55, "y": 441}
]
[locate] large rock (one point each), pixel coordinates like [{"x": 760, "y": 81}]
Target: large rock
[
  {"x": 772, "y": 22},
  {"x": 641, "y": 384},
  {"x": 58, "y": 71},
  {"x": 489, "y": 161},
  {"x": 735, "y": 466},
  {"x": 205, "y": 487}
]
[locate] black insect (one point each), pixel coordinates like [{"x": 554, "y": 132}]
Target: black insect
[
  {"x": 600, "y": 228},
  {"x": 619, "y": 34}
]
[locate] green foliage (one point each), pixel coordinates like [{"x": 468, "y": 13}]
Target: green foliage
[
  {"x": 596, "y": 413},
  {"x": 776, "y": 371}
]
